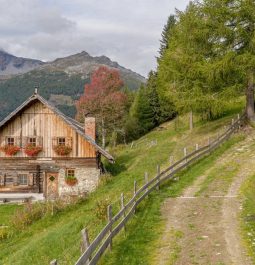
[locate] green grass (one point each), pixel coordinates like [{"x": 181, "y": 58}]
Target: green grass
[
  {"x": 58, "y": 237},
  {"x": 248, "y": 215},
  {"x": 6, "y": 211},
  {"x": 224, "y": 173}
]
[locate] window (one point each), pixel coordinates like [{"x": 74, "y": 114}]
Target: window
[
  {"x": 32, "y": 141},
  {"x": 23, "y": 179},
  {"x": 70, "y": 173},
  {"x": 8, "y": 180},
  {"x": 61, "y": 141},
  {"x": 10, "y": 141}
]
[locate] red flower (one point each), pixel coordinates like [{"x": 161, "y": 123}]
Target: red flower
[
  {"x": 32, "y": 150},
  {"x": 10, "y": 149},
  {"x": 62, "y": 150}
]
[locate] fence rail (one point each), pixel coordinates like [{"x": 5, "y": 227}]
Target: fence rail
[{"x": 116, "y": 223}]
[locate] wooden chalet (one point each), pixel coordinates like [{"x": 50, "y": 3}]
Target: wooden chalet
[{"x": 44, "y": 151}]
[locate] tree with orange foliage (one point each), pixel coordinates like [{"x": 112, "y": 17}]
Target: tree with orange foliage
[{"x": 104, "y": 99}]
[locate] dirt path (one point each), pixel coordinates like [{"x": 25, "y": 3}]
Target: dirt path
[{"x": 204, "y": 229}]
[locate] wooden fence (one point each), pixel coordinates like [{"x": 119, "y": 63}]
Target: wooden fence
[{"x": 94, "y": 250}]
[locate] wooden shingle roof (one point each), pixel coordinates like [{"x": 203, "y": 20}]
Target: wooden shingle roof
[{"x": 78, "y": 127}]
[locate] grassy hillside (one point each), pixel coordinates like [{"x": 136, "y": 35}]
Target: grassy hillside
[{"x": 58, "y": 236}]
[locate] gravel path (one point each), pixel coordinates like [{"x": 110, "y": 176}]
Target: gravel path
[{"x": 204, "y": 229}]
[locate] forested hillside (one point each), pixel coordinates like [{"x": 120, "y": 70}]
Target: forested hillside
[{"x": 59, "y": 81}]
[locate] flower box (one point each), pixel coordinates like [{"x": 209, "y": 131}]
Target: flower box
[
  {"x": 10, "y": 150},
  {"x": 32, "y": 150},
  {"x": 71, "y": 181},
  {"x": 62, "y": 150}
]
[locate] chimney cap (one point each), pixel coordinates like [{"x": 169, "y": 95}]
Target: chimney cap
[{"x": 36, "y": 89}]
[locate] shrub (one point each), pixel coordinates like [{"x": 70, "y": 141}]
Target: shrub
[
  {"x": 31, "y": 212},
  {"x": 101, "y": 209},
  {"x": 105, "y": 178},
  {"x": 5, "y": 232}
]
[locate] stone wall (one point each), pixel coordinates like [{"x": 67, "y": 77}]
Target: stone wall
[{"x": 88, "y": 179}]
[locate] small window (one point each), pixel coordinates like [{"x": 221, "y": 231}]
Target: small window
[
  {"x": 32, "y": 141},
  {"x": 23, "y": 179},
  {"x": 9, "y": 180},
  {"x": 61, "y": 141},
  {"x": 10, "y": 141},
  {"x": 70, "y": 173}
]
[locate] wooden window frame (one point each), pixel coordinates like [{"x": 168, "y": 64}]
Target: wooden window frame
[
  {"x": 61, "y": 141},
  {"x": 68, "y": 170},
  {"x": 23, "y": 176},
  {"x": 10, "y": 140},
  {"x": 32, "y": 140}
]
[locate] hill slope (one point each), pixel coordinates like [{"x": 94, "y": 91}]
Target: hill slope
[
  {"x": 60, "y": 81},
  {"x": 59, "y": 236}
]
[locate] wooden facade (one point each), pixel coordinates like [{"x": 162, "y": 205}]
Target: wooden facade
[{"x": 39, "y": 123}]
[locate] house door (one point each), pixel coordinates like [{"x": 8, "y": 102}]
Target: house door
[{"x": 51, "y": 185}]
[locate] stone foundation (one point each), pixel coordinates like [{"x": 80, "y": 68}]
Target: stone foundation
[{"x": 88, "y": 179}]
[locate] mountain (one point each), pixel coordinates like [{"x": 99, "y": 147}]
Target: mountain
[
  {"x": 11, "y": 65},
  {"x": 60, "y": 81}
]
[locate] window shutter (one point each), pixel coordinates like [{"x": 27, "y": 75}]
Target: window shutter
[
  {"x": 54, "y": 141},
  {"x": 69, "y": 141},
  {"x": 17, "y": 140},
  {"x": 39, "y": 141},
  {"x": 24, "y": 141},
  {"x": 17, "y": 180}
]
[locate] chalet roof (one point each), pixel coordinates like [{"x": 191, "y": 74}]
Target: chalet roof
[{"x": 78, "y": 127}]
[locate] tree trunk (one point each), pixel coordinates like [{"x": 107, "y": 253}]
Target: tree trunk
[
  {"x": 103, "y": 134},
  {"x": 191, "y": 125},
  {"x": 250, "y": 98}
]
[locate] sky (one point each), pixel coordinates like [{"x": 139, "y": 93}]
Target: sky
[{"x": 127, "y": 31}]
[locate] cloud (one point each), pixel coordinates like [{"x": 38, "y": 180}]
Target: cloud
[{"x": 127, "y": 31}]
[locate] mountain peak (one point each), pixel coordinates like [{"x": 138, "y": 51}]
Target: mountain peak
[{"x": 12, "y": 65}]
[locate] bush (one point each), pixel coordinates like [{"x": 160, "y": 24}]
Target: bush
[
  {"x": 5, "y": 232},
  {"x": 105, "y": 178},
  {"x": 31, "y": 212},
  {"x": 101, "y": 209}
]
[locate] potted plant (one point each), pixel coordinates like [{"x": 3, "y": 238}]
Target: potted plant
[
  {"x": 10, "y": 150},
  {"x": 32, "y": 150},
  {"x": 71, "y": 180},
  {"x": 62, "y": 150}
]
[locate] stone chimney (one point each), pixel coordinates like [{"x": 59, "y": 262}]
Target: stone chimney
[{"x": 90, "y": 126}]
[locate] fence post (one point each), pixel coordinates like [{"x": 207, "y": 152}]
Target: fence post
[
  {"x": 232, "y": 122},
  {"x": 85, "y": 241},
  {"x": 239, "y": 121},
  {"x": 197, "y": 147},
  {"x": 171, "y": 160},
  {"x": 54, "y": 262},
  {"x": 185, "y": 153},
  {"x": 123, "y": 207},
  {"x": 109, "y": 215},
  {"x": 158, "y": 177},
  {"x": 135, "y": 187},
  {"x": 146, "y": 180}
]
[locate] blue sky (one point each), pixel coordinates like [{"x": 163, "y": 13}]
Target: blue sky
[{"x": 127, "y": 31}]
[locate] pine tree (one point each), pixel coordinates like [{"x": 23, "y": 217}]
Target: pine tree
[
  {"x": 143, "y": 110},
  {"x": 210, "y": 58},
  {"x": 166, "y": 34}
]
